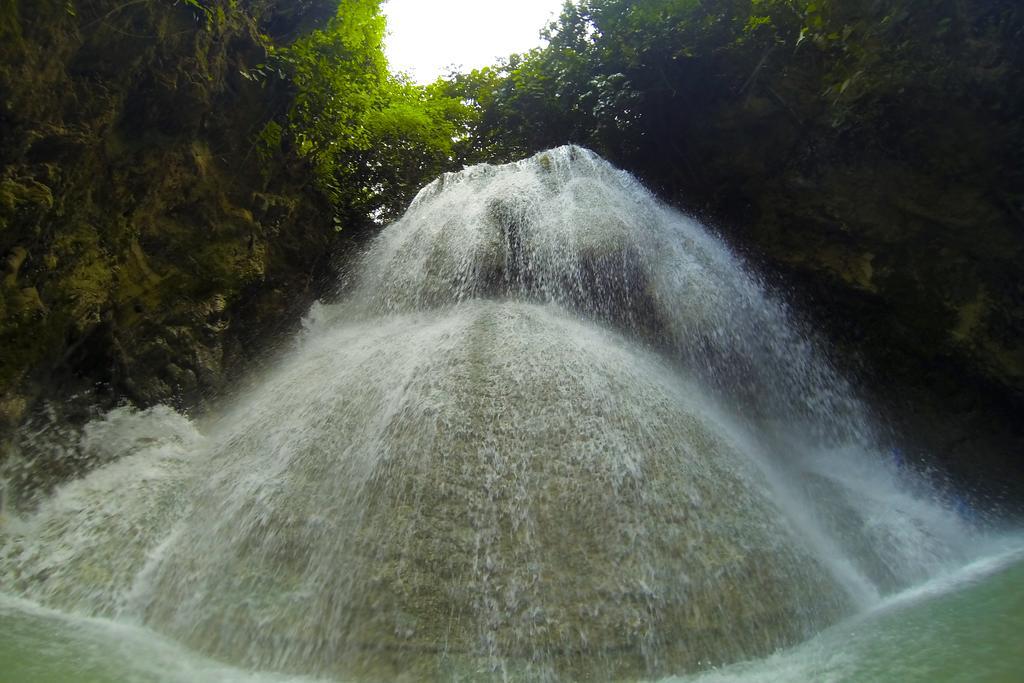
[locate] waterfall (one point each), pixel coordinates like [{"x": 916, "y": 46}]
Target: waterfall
[{"x": 556, "y": 430}]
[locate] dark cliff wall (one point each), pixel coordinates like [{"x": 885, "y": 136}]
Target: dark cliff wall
[
  {"x": 895, "y": 219},
  {"x": 147, "y": 246}
]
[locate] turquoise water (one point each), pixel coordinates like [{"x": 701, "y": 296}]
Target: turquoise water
[{"x": 967, "y": 626}]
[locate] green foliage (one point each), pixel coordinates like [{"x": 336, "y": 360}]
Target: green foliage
[
  {"x": 197, "y": 5},
  {"x": 372, "y": 138},
  {"x": 268, "y": 142},
  {"x": 650, "y": 82},
  {"x": 10, "y": 29}
]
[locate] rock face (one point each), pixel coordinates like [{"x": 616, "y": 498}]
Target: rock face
[
  {"x": 919, "y": 276},
  {"x": 144, "y": 240},
  {"x": 900, "y": 228},
  {"x": 915, "y": 272}
]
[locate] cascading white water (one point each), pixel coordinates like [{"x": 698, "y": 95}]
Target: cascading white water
[{"x": 556, "y": 431}]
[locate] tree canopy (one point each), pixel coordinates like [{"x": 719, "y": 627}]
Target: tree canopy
[
  {"x": 372, "y": 137},
  {"x": 649, "y": 82}
]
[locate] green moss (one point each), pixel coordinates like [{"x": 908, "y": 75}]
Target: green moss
[
  {"x": 269, "y": 141},
  {"x": 15, "y": 194},
  {"x": 10, "y": 26}
]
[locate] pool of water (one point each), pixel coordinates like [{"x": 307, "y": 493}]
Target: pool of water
[
  {"x": 967, "y": 627},
  {"x": 964, "y": 626}
]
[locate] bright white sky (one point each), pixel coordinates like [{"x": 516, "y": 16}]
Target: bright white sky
[{"x": 426, "y": 36}]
